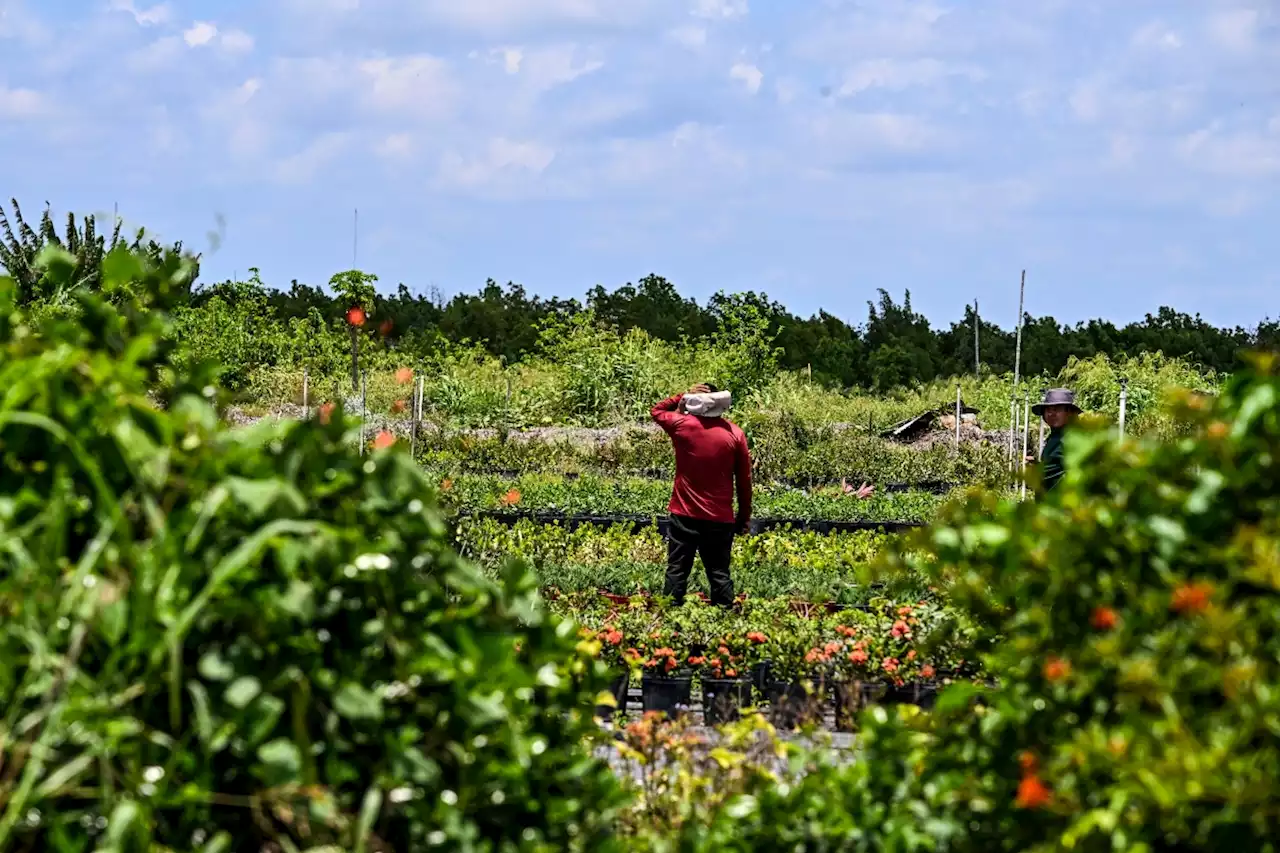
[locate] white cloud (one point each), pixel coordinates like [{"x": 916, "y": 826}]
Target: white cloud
[
  {"x": 750, "y": 76},
  {"x": 397, "y": 146},
  {"x": 18, "y": 104},
  {"x": 1234, "y": 29},
  {"x": 149, "y": 17},
  {"x": 900, "y": 74},
  {"x": 545, "y": 68},
  {"x": 1244, "y": 154},
  {"x": 301, "y": 168},
  {"x": 501, "y": 160},
  {"x": 1156, "y": 36},
  {"x": 719, "y": 9},
  {"x": 420, "y": 85},
  {"x": 200, "y": 34},
  {"x": 690, "y": 36},
  {"x": 236, "y": 41}
]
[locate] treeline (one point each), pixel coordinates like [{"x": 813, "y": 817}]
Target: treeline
[{"x": 894, "y": 346}]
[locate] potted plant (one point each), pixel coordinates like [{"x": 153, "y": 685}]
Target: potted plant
[
  {"x": 666, "y": 683},
  {"x": 726, "y": 689}
]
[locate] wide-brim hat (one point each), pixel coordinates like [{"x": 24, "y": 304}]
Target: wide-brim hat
[{"x": 1057, "y": 397}]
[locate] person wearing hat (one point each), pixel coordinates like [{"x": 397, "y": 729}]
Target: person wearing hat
[
  {"x": 713, "y": 465},
  {"x": 1058, "y": 409}
]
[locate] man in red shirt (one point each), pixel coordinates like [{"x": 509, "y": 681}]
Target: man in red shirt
[{"x": 711, "y": 453}]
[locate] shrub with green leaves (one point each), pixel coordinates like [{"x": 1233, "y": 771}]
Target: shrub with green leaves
[
  {"x": 1132, "y": 621},
  {"x": 253, "y": 640}
]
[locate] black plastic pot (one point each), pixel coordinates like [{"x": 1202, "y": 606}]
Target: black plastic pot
[
  {"x": 919, "y": 693},
  {"x": 792, "y": 703},
  {"x": 850, "y": 698},
  {"x": 760, "y": 675},
  {"x": 724, "y": 698},
  {"x": 671, "y": 696},
  {"x": 618, "y": 687}
]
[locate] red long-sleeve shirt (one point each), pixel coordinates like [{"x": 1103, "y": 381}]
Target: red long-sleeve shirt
[{"x": 710, "y": 454}]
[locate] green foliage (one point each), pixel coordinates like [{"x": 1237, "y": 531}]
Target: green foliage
[
  {"x": 244, "y": 640},
  {"x": 22, "y": 246},
  {"x": 355, "y": 288},
  {"x": 1132, "y": 622}
]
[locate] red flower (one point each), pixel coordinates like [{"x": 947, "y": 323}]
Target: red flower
[
  {"x": 446, "y": 484},
  {"x": 697, "y": 660},
  {"x": 1028, "y": 762},
  {"x": 384, "y": 440},
  {"x": 326, "y": 412},
  {"x": 399, "y": 406},
  {"x": 1032, "y": 793},
  {"x": 900, "y": 629},
  {"x": 1192, "y": 597},
  {"x": 511, "y": 498},
  {"x": 904, "y": 610},
  {"x": 404, "y": 375},
  {"x": 1057, "y": 669},
  {"x": 889, "y": 665},
  {"x": 927, "y": 671},
  {"x": 355, "y": 316},
  {"x": 671, "y": 664},
  {"x": 757, "y": 637},
  {"x": 385, "y": 328},
  {"x": 858, "y": 656},
  {"x": 1104, "y": 618},
  {"x": 732, "y": 673}
]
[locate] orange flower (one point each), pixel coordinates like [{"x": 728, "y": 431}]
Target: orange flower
[
  {"x": 1218, "y": 429},
  {"x": 404, "y": 375},
  {"x": 1032, "y": 793},
  {"x": 1192, "y": 597},
  {"x": 399, "y": 406},
  {"x": 900, "y": 629},
  {"x": 511, "y": 498},
  {"x": 1104, "y": 618},
  {"x": 696, "y": 660},
  {"x": 911, "y": 655},
  {"x": 731, "y": 673},
  {"x": 927, "y": 671},
  {"x": 890, "y": 665},
  {"x": 1057, "y": 669},
  {"x": 386, "y": 327},
  {"x": 1028, "y": 762},
  {"x": 326, "y": 412},
  {"x": 355, "y": 316},
  {"x": 757, "y": 637},
  {"x": 384, "y": 440},
  {"x": 446, "y": 484},
  {"x": 858, "y": 656}
]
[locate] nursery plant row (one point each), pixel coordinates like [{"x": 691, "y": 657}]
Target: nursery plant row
[
  {"x": 600, "y": 496},
  {"x": 781, "y": 452},
  {"x": 798, "y": 662},
  {"x": 793, "y": 564}
]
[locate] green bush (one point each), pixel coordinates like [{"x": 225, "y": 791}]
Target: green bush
[
  {"x": 253, "y": 640},
  {"x": 1132, "y": 621}
]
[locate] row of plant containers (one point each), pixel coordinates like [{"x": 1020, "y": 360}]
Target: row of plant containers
[
  {"x": 640, "y": 522},
  {"x": 937, "y": 487},
  {"x": 789, "y": 704}
]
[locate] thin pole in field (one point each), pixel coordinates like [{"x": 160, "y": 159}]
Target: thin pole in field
[
  {"x": 1040, "y": 446},
  {"x": 355, "y": 238},
  {"x": 1026, "y": 436},
  {"x": 306, "y": 396},
  {"x": 977, "y": 360},
  {"x": 364, "y": 406},
  {"x": 1013, "y": 425},
  {"x": 417, "y": 414},
  {"x": 958, "y": 417},
  {"x": 1017, "y": 351},
  {"x": 1124, "y": 402}
]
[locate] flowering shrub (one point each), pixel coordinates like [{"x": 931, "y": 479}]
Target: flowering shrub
[
  {"x": 1132, "y": 621},
  {"x": 253, "y": 640}
]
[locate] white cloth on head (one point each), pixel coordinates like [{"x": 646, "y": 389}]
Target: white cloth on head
[{"x": 708, "y": 405}]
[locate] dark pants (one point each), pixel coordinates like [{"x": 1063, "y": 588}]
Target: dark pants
[{"x": 711, "y": 540}]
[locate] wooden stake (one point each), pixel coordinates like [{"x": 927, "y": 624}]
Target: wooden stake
[
  {"x": 977, "y": 359},
  {"x": 1017, "y": 352},
  {"x": 306, "y": 398}
]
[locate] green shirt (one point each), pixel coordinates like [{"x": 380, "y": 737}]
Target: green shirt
[{"x": 1051, "y": 468}]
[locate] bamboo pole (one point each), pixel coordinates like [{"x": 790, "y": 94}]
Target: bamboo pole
[
  {"x": 1026, "y": 436},
  {"x": 1017, "y": 352},
  {"x": 1124, "y": 403},
  {"x": 958, "y": 404},
  {"x": 364, "y": 406}
]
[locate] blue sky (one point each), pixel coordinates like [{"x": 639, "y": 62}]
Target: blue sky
[{"x": 1127, "y": 154}]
